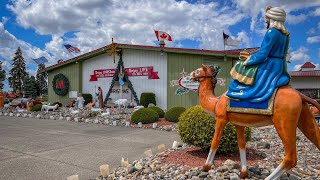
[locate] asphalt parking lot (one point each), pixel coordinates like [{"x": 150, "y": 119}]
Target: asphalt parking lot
[{"x": 40, "y": 149}]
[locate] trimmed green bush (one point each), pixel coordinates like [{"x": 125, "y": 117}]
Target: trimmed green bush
[
  {"x": 144, "y": 115},
  {"x": 147, "y": 98},
  {"x": 196, "y": 127},
  {"x": 87, "y": 98},
  {"x": 36, "y": 107},
  {"x": 158, "y": 110},
  {"x": 174, "y": 113}
]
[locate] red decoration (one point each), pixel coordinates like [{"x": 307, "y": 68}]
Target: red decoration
[
  {"x": 60, "y": 84},
  {"x": 135, "y": 71}
]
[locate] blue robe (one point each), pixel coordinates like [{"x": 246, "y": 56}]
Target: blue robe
[{"x": 272, "y": 71}]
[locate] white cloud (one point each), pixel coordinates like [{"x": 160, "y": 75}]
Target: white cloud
[
  {"x": 313, "y": 39},
  {"x": 300, "y": 55},
  {"x": 243, "y": 37},
  {"x": 296, "y": 19},
  {"x": 254, "y": 9},
  {"x": 316, "y": 12},
  {"x": 297, "y": 67},
  {"x": 311, "y": 31},
  {"x": 126, "y": 21}
]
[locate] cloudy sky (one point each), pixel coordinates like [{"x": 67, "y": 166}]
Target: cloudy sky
[{"x": 41, "y": 27}]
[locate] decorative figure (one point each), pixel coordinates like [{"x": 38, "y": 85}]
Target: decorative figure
[
  {"x": 256, "y": 78},
  {"x": 29, "y": 105},
  {"x": 121, "y": 102},
  {"x": 113, "y": 51},
  {"x": 47, "y": 107},
  {"x": 100, "y": 98},
  {"x": 121, "y": 82},
  {"x": 80, "y": 101},
  {"x": 290, "y": 111}
]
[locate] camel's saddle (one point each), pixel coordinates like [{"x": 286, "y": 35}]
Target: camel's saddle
[{"x": 264, "y": 108}]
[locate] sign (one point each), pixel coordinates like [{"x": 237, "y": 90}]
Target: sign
[
  {"x": 73, "y": 94},
  {"x": 185, "y": 84},
  {"x": 134, "y": 71}
]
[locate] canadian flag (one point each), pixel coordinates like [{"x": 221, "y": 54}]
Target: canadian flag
[{"x": 162, "y": 35}]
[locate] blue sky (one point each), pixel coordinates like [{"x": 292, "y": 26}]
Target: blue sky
[{"x": 41, "y": 27}]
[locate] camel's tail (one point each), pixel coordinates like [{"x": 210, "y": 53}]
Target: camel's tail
[{"x": 307, "y": 123}]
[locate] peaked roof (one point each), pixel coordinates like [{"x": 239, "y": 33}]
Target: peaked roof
[
  {"x": 102, "y": 50},
  {"x": 308, "y": 65}
]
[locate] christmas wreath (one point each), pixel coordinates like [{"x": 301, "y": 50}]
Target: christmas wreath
[{"x": 60, "y": 84}]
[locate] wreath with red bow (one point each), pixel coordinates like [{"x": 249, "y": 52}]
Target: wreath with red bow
[{"x": 60, "y": 84}]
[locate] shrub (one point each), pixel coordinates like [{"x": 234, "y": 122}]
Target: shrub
[
  {"x": 147, "y": 98},
  {"x": 158, "y": 110},
  {"x": 35, "y": 102},
  {"x": 87, "y": 98},
  {"x": 60, "y": 104},
  {"x": 36, "y": 107},
  {"x": 144, "y": 115},
  {"x": 196, "y": 127},
  {"x": 174, "y": 113}
]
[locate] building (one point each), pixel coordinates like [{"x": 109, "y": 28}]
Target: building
[
  {"x": 307, "y": 80},
  {"x": 163, "y": 71}
]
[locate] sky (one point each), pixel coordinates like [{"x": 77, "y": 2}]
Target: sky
[{"x": 42, "y": 27}]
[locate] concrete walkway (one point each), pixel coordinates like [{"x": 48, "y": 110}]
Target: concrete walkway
[{"x": 41, "y": 149}]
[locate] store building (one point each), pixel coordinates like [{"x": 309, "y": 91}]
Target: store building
[
  {"x": 307, "y": 80},
  {"x": 163, "y": 71}
]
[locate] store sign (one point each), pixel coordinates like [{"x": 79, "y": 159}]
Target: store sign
[
  {"x": 134, "y": 71},
  {"x": 185, "y": 84}
]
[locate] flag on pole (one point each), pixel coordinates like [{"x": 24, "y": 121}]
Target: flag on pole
[
  {"x": 228, "y": 41},
  {"x": 71, "y": 48},
  {"x": 162, "y": 35},
  {"x": 41, "y": 60}
]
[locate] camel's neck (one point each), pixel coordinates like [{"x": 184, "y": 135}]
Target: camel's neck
[{"x": 207, "y": 96}]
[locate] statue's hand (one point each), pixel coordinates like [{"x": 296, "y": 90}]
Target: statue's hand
[{"x": 244, "y": 55}]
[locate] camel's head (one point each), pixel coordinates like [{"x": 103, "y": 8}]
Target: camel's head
[{"x": 210, "y": 71}]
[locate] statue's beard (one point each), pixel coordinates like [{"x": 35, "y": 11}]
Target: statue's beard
[{"x": 268, "y": 25}]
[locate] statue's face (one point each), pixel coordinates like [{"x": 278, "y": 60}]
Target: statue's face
[{"x": 268, "y": 22}]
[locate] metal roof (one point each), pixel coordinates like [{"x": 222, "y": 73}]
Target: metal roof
[
  {"x": 315, "y": 73},
  {"x": 102, "y": 50}
]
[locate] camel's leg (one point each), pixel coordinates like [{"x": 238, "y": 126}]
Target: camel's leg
[
  {"x": 220, "y": 124},
  {"x": 308, "y": 126},
  {"x": 242, "y": 149},
  {"x": 285, "y": 123}
]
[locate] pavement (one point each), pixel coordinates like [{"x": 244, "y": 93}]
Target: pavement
[{"x": 43, "y": 149}]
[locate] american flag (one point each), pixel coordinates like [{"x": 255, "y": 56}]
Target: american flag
[{"x": 72, "y": 48}]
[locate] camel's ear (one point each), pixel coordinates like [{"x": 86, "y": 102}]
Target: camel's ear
[{"x": 204, "y": 67}]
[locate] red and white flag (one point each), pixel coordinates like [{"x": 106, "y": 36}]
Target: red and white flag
[{"x": 162, "y": 35}]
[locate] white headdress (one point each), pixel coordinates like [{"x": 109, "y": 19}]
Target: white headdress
[{"x": 277, "y": 17}]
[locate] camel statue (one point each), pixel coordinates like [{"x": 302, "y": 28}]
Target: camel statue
[{"x": 291, "y": 111}]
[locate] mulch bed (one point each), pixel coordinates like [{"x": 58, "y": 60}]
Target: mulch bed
[{"x": 195, "y": 157}]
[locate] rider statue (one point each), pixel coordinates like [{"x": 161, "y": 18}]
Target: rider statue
[{"x": 270, "y": 62}]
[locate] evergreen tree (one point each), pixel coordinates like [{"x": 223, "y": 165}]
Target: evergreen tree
[
  {"x": 42, "y": 78},
  {"x": 2, "y": 76},
  {"x": 30, "y": 87},
  {"x": 18, "y": 71}
]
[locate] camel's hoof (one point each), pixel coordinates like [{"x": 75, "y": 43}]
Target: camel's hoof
[
  {"x": 244, "y": 174},
  {"x": 206, "y": 168}
]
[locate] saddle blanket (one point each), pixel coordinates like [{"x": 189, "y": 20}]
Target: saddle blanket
[{"x": 264, "y": 108}]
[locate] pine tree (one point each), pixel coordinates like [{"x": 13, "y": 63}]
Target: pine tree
[
  {"x": 18, "y": 71},
  {"x": 30, "y": 87},
  {"x": 42, "y": 78},
  {"x": 2, "y": 76}
]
